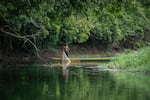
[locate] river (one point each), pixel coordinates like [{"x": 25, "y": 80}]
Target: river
[{"x": 76, "y": 82}]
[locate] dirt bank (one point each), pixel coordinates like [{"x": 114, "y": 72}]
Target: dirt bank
[{"x": 46, "y": 55}]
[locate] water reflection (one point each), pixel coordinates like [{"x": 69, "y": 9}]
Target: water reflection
[
  {"x": 84, "y": 82},
  {"x": 65, "y": 70}
]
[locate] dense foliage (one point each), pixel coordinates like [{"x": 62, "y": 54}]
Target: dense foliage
[
  {"x": 138, "y": 60},
  {"x": 40, "y": 23}
]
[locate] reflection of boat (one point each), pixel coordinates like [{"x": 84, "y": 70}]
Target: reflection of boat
[
  {"x": 77, "y": 64},
  {"x": 77, "y": 60}
]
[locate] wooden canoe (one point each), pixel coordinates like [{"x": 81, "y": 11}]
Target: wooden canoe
[{"x": 102, "y": 59}]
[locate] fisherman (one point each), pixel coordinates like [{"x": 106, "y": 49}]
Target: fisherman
[{"x": 66, "y": 49}]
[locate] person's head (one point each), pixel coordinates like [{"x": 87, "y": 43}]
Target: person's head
[{"x": 65, "y": 44}]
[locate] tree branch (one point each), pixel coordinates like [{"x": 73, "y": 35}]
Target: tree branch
[{"x": 26, "y": 39}]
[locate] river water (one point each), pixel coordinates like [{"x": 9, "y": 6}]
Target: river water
[{"x": 76, "y": 82}]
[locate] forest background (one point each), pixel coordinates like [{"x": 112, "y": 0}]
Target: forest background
[{"x": 31, "y": 25}]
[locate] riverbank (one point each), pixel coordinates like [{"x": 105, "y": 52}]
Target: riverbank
[
  {"x": 133, "y": 60},
  {"x": 45, "y": 55},
  {"x": 127, "y": 60}
]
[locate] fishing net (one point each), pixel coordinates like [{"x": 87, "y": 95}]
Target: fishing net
[
  {"x": 65, "y": 58},
  {"x": 65, "y": 63}
]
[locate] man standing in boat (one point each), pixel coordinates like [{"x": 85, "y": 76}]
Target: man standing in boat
[{"x": 66, "y": 49}]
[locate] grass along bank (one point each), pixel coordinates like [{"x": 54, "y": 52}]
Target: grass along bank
[{"x": 133, "y": 60}]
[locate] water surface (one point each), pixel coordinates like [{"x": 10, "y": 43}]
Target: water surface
[{"x": 77, "y": 82}]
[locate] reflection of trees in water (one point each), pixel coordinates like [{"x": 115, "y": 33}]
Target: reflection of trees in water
[{"x": 41, "y": 83}]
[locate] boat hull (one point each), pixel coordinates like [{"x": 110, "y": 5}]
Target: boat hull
[{"x": 103, "y": 59}]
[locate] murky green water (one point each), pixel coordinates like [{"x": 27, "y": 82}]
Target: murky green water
[{"x": 82, "y": 82}]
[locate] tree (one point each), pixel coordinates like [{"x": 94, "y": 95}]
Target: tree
[{"x": 35, "y": 23}]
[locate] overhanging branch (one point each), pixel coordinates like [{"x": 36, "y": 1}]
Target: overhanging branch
[{"x": 25, "y": 38}]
